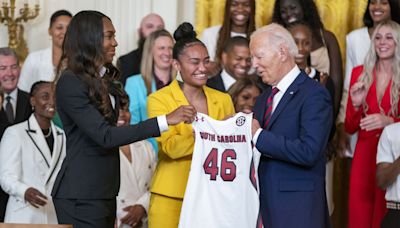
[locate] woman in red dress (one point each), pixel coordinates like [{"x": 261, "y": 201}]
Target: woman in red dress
[{"x": 373, "y": 103}]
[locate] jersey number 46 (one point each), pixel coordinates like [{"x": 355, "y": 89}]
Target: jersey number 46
[{"x": 228, "y": 167}]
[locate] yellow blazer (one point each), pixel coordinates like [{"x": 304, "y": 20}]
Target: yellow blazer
[{"x": 176, "y": 144}]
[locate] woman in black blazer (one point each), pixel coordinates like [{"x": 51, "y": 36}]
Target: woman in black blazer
[{"x": 87, "y": 101}]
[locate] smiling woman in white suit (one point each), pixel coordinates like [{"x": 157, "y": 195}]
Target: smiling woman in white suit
[{"x": 31, "y": 154}]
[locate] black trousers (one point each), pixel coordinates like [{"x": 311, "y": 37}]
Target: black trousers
[
  {"x": 3, "y": 204},
  {"x": 391, "y": 219},
  {"x": 84, "y": 213}
]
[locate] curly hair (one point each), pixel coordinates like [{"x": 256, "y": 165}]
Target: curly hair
[
  {"x": 310, "y": 16},
  {"x": 83, "y": 55},
  {"x": 370, "y": 64},
  {"x": 226, "y": 28},
  {"x": 394, "y": 13}
]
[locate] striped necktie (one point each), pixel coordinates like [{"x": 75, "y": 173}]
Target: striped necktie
[{"x": 268, "y": 106}]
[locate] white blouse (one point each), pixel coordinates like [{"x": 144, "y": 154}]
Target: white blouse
[
  {"x": 136, "y": 178},
  {"x": 38, "y": 66}
]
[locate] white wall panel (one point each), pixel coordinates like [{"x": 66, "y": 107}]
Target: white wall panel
[{"x": 125, "y": 14}]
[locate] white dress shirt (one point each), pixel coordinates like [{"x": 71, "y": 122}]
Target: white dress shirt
[{"x": 227, "y": 79}]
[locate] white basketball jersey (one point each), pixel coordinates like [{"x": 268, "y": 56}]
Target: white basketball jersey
[{"x": 222, "y": 186}]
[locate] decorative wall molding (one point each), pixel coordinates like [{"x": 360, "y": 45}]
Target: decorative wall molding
[{"x": 125, "y": 14}]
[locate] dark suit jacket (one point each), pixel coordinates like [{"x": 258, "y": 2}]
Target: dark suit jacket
[
  {"x": 292, "y": 168},
  {"x": 216, "y": 83},
  {"x": 331, "y": 89},
  {"x": 129, "y": 64},
  {"x": 91, "y": 167},
  {"x": 23, "y": 111}
]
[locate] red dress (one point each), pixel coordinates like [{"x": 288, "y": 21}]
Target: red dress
[{"x": 367, "y": 205}]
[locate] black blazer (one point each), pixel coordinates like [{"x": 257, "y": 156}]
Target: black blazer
[
  {"x": 91, "y": 166},
  {"x": 22, "y": 113},
  {"x": 331, "y": 89},
  {"x": 216, "y": 83},
  {"x": 129, "y": 64}
]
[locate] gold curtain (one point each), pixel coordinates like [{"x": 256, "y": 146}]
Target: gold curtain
[{"x": 338, "y": 16}]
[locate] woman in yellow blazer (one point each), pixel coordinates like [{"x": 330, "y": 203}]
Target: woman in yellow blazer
[{"x": 176, "y": 145}]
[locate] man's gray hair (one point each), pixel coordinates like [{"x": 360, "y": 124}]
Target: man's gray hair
[
  {"x": 6, "y": 51},
  {"x": 277, "y": 35}
]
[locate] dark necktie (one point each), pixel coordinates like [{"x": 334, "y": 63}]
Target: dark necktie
[
  {"x": 268, "y": 106},
  {"x": 9, "y": 110}
]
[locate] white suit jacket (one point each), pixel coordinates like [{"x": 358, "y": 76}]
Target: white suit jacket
[
  {"x": 26, "y": 161},
  {"x": 38, "y": 66},
  {"x": 357, "y": 46},
  {"x": 136, "y": 178}
]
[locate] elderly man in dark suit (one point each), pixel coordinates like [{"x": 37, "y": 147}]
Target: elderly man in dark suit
[
  {"x": 16, "y": 107},
  {"x": 129, "y": 64},
  {"x": 293, "y": 121}
]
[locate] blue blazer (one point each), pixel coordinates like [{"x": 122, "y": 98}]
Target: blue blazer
[
  {"x": 292, "y": 167},
  {"x": 137, "y": 92}
]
